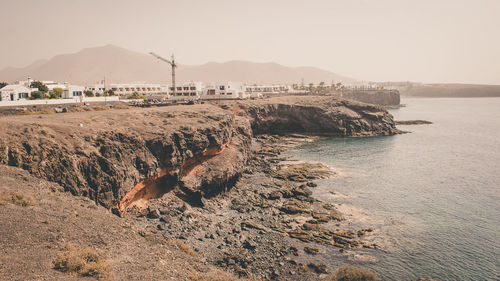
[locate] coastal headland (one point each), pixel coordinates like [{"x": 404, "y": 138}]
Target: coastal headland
[{"x": 209, "y": 175}]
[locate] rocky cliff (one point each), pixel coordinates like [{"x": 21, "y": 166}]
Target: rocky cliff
[
  {"x": 123, "y": 158},
  {"x": 108, "y": 156},
  {"x": 324, "y": 116},
  {"x": 379, "y": 97}
]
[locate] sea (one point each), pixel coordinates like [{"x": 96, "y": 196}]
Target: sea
[{"x": 431, "y": 195}]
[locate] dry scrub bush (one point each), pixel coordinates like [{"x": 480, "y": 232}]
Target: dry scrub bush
[
  {"x": 78, "y": 109},
  {"x": 16, "y": 198},
  {"x": 352, "y": 273},
  {"x": 83, "y": 261},
  {"x": 122, "y": 107},
  {"x": 100, "y": 108},
  {"x": 185, "y": 248},
  {"x": 47, "y": 111},
  {"x": 43, "y": 111}
]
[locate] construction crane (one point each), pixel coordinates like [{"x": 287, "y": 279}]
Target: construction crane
[{"x": 172, "y": 63}]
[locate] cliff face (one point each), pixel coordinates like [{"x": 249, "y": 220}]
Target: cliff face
[
  {"x": 123, "y": 158},
  {"x": 324, "y": 116},
  {"x": 378, "y": 97},
  {"x": 117, "y": 151}
]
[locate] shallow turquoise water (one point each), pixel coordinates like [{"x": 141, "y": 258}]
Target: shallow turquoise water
[{"x": 433, "y": 195}]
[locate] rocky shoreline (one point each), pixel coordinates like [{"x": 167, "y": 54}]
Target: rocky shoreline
[
  {"x": 210, "y": 175},
  {"x": 268, "y": 225}
]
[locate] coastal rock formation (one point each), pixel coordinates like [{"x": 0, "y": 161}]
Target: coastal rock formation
[
  {"x": 147, "y": 152},
  {"x": 44, "y": 222},
  {"x": 123, "y": 158},
  {"x": 165, "y": 166},
  {"x": 324, "y": 116},
  {"x": 379, "y": 97},
  {"x": 412, "y": 122}
]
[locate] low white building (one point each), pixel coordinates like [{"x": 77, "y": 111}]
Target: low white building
[
  {"x": 268, "y": 89},
  {"x": 73, "y": 92},
  {"x": 15, "y": 92},
  {"x": 125, "y": 89},
  {"x": 51, "y": 85},
  {"x": 69, "y": 91},
  {"x": 229, "y": 90},
  {"x": 190, "y": 91},
  {"x": 96, "y": 88}
]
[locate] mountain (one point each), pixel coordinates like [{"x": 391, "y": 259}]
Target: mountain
[{"x": 121, "y": 65}]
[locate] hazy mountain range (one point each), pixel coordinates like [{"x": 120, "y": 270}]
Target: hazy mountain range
[{"x": 121, "y": 65}]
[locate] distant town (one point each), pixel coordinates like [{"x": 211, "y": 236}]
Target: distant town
[{"x": 32, "y": 92}]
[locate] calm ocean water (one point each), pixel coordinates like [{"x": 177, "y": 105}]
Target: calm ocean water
[{"x": 432, "y": 195}]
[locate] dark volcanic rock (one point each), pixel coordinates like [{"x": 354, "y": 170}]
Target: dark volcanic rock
[
  {"x": 107, "y": 157},
  {"x": 412, "y": 122},
  {"x": 318, "y": 268},
  {"x": 301, "y": 190},
  {"x": 379, "y": 97},
  {"x": 166, "y": 165},
  {"x": 312, "y": 251},
  {"x": 121, "y": 157},
  {"x": 318, "y": 116}
]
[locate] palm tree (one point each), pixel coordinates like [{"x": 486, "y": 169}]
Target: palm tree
[{"x": 322, "y": 87}]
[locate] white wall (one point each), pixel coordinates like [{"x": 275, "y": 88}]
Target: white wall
[{"x": 57, "y": 101}]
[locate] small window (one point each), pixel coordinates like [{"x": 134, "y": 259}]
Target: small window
[
  {"x": 192, "y": 88},
  {"x": 221, "y": 87}
]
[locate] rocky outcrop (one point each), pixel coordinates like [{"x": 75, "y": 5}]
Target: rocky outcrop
[
  {"x": 378, "y": 97},
  {"x": 146, "y": 152},
  {"x": 324, "y": 116},
  {"x": 123, "y": 158},
  {"x": 412, "y": 122}
]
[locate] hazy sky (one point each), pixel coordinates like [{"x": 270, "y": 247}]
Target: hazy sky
[{"x": 377, "y": 40}]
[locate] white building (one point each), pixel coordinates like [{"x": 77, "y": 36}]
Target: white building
[
  {"x": 69, "y": 91},
  {"x": 190, "y": 91},
  {"x": 229, "y": 90},
  {"x": 268, "y": 89},
  {"x": 51, "y": 85},
  {"x": 15, "y": 92},
  {"x": 125, "y": 89},
  {"x": 96, "y": 88},
  {"x": 25, "y": 83},
  {"x": 73, "y": 92}
]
